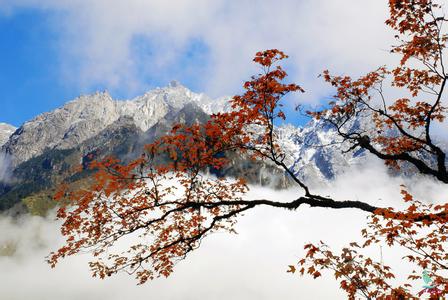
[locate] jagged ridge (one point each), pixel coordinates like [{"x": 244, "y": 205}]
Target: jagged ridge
[
  {"x": 44, "y": 149},
  {"x": 86, "y": 116}
]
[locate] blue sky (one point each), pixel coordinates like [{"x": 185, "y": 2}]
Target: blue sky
[
  {"x": 28, "y": 64},
  {"x": 30, "y": 76},
  {"x": 30, "y": 79},
  {"x": 52, "y": 51}
]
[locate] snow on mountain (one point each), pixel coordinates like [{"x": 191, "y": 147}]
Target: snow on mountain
[
  {"x": 148, "y": 109},
  {"x": 313, "y": 152},
  {"x": 62, "y": 128},
  {"x": 86, "y": 116},
  {"x": 6, "y": 130}
]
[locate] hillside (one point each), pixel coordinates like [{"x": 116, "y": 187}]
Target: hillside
[{"x": 44, "y": 151}]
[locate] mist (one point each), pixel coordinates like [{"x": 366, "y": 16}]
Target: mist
[
  {"x": 5, "y": 168},
  {"x": 249, "y": 265}
]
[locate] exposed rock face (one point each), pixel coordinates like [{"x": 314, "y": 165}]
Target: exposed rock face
[
  {"x": 44, "y": 151},
  {"x": 314, "y": 151},
  {"x": 101, "y": 125},
  {"x": 6, "y": 131},
  {"x": 86, "y": 116},
  {"x": 63, "y": 128}
]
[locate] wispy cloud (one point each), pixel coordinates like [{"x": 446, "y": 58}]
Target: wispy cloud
[{"x": 130, "y": 45}]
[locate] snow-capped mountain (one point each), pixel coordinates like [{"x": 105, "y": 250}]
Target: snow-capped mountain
[
  {"x": 6, "y": 130},
  {"x": 86, "y": 116},
  {"x": 314, "y": 151},
  {"x": 44, "y": 150}
]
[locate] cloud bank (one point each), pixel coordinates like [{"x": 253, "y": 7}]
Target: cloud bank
[
  {"x": 250, "y": 265},
  {"x": 132, "y": 45}
]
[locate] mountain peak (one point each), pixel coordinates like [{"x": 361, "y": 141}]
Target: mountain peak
[
  {"x": 6, "y": 125},
  {"x": 87, "y": 115},
  {"x": 175, "y": 84},
  {"x": 6, "y": 130}
]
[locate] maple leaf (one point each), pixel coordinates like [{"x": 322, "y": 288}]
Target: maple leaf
[{"x": 292, "y": 269}]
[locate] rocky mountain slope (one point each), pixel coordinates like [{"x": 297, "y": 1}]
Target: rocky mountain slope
[
  {"x": 6, "y": 130},
  {"x": 86, "y": 116},
  {"x": 314, "y": 151},
  {"x": 44, "y": 150}
]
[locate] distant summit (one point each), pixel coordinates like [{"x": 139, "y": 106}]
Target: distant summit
[
  {"x": 44, "y": 151},
  {"x": 174, "y": 83},
  {"x": 6, "y": 130},
  {"x": 86, "y": 116}
]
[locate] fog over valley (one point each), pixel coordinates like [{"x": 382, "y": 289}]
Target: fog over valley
[
  {"x": 249, "y": 265},
  {"x": 240, "y": 150}
]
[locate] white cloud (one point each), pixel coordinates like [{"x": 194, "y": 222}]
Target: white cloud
[
  {"x": 250, "y": 265},
  {"x": 97, "y": 45},
  {"x": 97, "y": 39}
]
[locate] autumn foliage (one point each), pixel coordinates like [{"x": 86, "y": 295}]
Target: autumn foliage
[
  {"x": 165, "y": 199},
  {"x": 403, "y": 126},
  {"x": 420, "y": 229},
  {"x": 172, "y": 206},
  {"x": 402, "y": 136}
]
